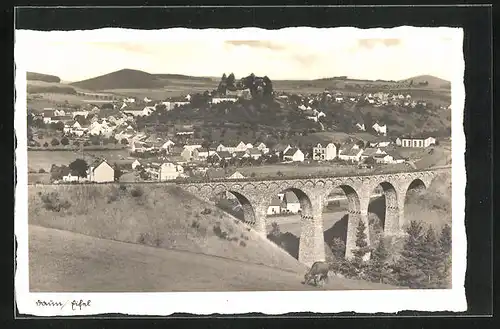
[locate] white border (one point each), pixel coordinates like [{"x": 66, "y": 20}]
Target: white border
[{"x": 243, "y": 302}]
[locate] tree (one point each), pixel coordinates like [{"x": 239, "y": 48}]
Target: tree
[
  {"x": 408, "y": 269},
  {"x": 45, "y": 144},
  {"x": 378, "y": 268},
  {"x": 80, "y": 166},
  {"x": 113, "y": 140},
  {"x": 124, "y": 141},
  {"x": 105, "y": 141},
  {"x": 118, "y": 172},
  {"x": 54, "y": 142},
  {"x": 65, "y": 141},
  {"x": 445, "y": 254},
  {"x": 362, "y": 247},
  {"x": 430, "y": 258},
  {"x": 230, "y": 82},
  {"x": 76, "y": 143},
  {"x": 338, "y": 248}
]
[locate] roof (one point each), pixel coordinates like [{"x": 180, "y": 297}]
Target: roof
[
  {"x": 254, "y": 151},
  {"x": 275, "y": 201},
  {"x": 415, "y": 137},
  {"x": 291, "y": 151},
  {"x": 290, "y": 197},
  {"x": 240, "y": 153},
  {"x": 224, "y": 154},
  {"x": 352, "y": 152},
  {"x": 281, "y": 147},
  {"x": 369, "y": 151}
]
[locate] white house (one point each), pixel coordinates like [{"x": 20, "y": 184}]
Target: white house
[
  {"x": 254, "y": 153},
  {"x": 170, "y": 171},
  {"x": 371, "y": 152},
  {"x": 81, "y": 113},
  {"x": 101, "y": 172},
  {"x": 360, "y": 126},
  {"x": 293, "y": 154},
  {"x": 380, "y": 129},
  {"x": 136, "y": 164},
  {"x": 236, "y": 175},
  {"x": 275, "y": 206},
  {"x": 292, "y": 202},
  {"x": 168, "y": 145},
  {"x": 328, "y": 152},
  {"x": 350, "y": 152},
  {"x": 263, "y": 148},
  {"x": 217, "y": 100},
  {"x": 415, "y": 141}
]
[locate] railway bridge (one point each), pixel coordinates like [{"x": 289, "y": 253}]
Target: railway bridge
[{"x": 255, "y": 195}]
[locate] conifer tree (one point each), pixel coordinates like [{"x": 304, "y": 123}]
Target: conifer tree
[
  {"x": 445, "y": 255},
  {"x": 378, "y": 267},
  {"x": 408, "y": 269},
  {"x": 361, "y": 249},
  {"x": 430, "y": 259}
]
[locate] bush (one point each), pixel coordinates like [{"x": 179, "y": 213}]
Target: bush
[
  {"x": 137, "y": 192},
  {"x": 45, "y": 144},
  {"x": 243, "y": 243},
  {"x": 123, "y": 187},
  {"x": 52, "y": 202},
  {"x": 195, "y": 224},
  {"x": 206, "y": 211},
  {"x": 113, "y": 196},
  {"x": 65, "y": 141},
  {"x": 54, "y": 142},
  {"x": 219, "y": 232},
  {"x": 41, "y": 171}
]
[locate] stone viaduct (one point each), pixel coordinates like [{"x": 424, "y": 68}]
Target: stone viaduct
[{"x": 255, "y": 195}]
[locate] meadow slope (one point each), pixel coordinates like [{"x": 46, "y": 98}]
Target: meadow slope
[
  {"x": 62, "y": 261},
  {"x": 163, "y": 216}
]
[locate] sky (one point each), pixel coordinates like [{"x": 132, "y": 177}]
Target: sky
[{"x": 306, "y": 56}]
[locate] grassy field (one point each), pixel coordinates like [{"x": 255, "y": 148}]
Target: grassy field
[
  {"x": 44, "y": 159},
  {"x": 162, "y": 216},
  {"x": 62, "y": 261}
]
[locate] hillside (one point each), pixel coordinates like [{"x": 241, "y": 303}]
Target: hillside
[
  {"x": 433, "y": 82},
  {"x": 162, "y": 216},
  {"x": 42, "y": 77},
  {"x": 123, "y": 79},
  {"x": 62, "y": 261},
  {"x": 135, "y": 79},
  {"x": 42, "y": 87}
]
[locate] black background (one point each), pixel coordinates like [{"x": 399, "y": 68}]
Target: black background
[{"x": 478, "y": 118}]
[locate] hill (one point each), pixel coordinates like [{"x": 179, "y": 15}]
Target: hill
[
  {"x": 32, "y": 76},
  {"x": 159, "y": 215},
  {"x": 122, "y": 79},
  {"x": 135, "y": 79},
  {"x": 432, "y": 81},
  {"x": 62, "y": 261},
  {"x": 44, "y": 87}
]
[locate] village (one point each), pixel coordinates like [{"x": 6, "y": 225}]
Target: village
[{"x": 181, "y": 153}]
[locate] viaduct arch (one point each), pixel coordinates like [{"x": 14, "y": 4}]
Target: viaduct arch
[{"x": 254, "y": 196}]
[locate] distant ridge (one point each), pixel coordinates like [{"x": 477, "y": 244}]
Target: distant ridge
[
  {"x": 42, "y": 77},
  {"x": 433, "y": 82},
  {"x": 133, "y": 79}
]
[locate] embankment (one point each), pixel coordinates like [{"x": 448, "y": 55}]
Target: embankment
[{"x": 155, "y": 215}]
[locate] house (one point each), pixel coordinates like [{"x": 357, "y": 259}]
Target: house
[
  {"x": 236, "y": 175},
  {"x": 136, "y": 164},
  {"x": 137, "y": 147},
  {"x": 293, "y": 154},
  {"x": 47, "y": 115},
  {"x": 328, "y": 152},
  {"x": 371, "y": 152},
  {"x": 224, "y": 155},
  {"x": 69, "y": 175},
  {"x": 217, "y": 100},
  {"x": 415, "y": 141},
  {"x": 292, "y": 202},
  {"x": 170, "y": 171},
  {"x": 396, "y": 157},
  {"x": 190, "y": 152},
  {"x": 360, "y": 126},
  {"x": 204, "y": 153},
  {"x": 380, "y": 129},
  {"x": 184, "y": 131},
  {"x": 101, "y": 172},
  {"x": 383, "y": 158},
  {"x": 281, "y": 149},
  {"x": 350, "y": 152},
  {"x": 167, "y": 145},
  {"x": 275, "y": 206},
  {"x": 254, "y": 153},
  {"x": 59, "y": 113},
  {"x": 263, "y": 148},
  {"x": 380, "y": 143},
  {"x": 351, "y": 155}
]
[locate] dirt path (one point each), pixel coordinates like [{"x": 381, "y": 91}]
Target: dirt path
[{"x": 62, "y": 261}]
